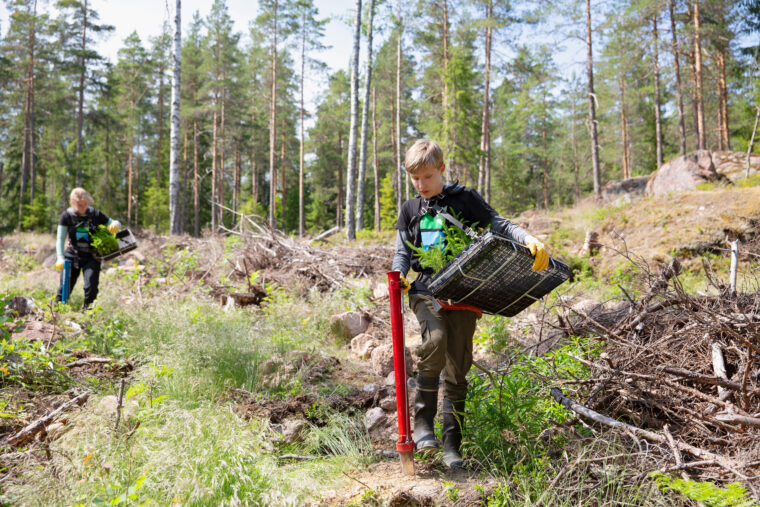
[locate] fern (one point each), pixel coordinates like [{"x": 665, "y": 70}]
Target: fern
[{"x": 734, "y": 494}]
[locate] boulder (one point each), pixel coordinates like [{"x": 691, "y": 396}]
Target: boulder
[
  {"x": 50, "y": 260},
  {"x": 292, "y": 430},
  {"x": 622, "y": 191},
  {"x": 22, "y": 305},
  {"x": 42, "y": 252},
  {"x": 388, "y": 403},
  {"x": 382, "y": 360},
  {"x": 347, "y": 325},
  {"x": 733, "y": 164},
  {"x": 363, "y": 344},
  {"x": 374, "y": 418},
  {"x": 683, "y": 174}
]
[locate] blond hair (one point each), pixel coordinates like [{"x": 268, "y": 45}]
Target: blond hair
[
  {"x": 80, "y": 194},
  {"x": 423, "y": 153}
]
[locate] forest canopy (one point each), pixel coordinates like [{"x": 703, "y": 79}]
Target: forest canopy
[{"x": 501, "y": 87}]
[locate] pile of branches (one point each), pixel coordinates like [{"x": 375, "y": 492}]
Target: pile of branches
[
  {"x": 300, "y": 264},
  {"x": 681, "y": 372}
]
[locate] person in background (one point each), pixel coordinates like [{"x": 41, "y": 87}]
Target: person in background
[
  {"x": 447, "y": 329},
  {"x": 78, "y": 222}
]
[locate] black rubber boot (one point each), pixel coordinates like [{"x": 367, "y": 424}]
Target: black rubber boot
[
  {"x": 425, "y": 407},
  {"x": 453, "y": 424}
]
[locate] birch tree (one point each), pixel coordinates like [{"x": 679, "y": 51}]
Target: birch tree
[
  {"x": 174, "y": 202},
  {"x": 360, "y": 186},
  {"x": 353, "y": 127}
]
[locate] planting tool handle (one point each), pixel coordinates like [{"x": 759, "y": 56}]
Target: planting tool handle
[
  {"x": 405, "y": 444},
  {"x": 65, "y": 281}
]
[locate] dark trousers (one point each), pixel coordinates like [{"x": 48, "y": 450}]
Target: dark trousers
[
  {"x": 90, "y": 269},
  {"x": 446, "y": 345}
]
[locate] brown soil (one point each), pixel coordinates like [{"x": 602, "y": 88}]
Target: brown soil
[{"x": 431, "y": 485}]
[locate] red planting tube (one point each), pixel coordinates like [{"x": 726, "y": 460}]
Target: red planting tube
[{"x": 405, "y": 443}]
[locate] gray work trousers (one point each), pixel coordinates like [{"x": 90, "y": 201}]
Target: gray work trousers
[{"x": 446, "y": 344}]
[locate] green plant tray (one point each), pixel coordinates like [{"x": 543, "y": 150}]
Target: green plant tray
[
  {"x": 494, "y": 274},
  {"x": 127, "y": 243}
]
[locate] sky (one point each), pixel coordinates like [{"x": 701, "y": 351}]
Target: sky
[{"x": 147, "y": 18}]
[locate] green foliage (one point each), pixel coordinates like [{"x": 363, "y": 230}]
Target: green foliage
[
  {"x": 507, "y": 413},
  {"x": 734, "y": 494},
  {"x": 37, "y": 215},
  {"x": 437, "y": 256},
  {"x": 103, "y": 241},
  {"x": 388, "y": 215},
  {"x": 32, "y": 365}
]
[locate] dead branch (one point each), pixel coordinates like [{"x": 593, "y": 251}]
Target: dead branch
[{"x": 38, "y": 425}]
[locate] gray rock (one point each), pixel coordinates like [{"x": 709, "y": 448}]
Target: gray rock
[
  {"x": 619, "y": 191},
  {"x": 683, "y": 174},
  {"x": 374, "y": 418},
  {"x": 363, "y": 344},
  {"x": 388, "y": 403},
  {"x": 22, "y": 305},
  {"x": 347, "y": 325},
  {"x": 370, "y": 388},
  {"x": 292, "y": 430},
  {"x": 382, "y": 360}
]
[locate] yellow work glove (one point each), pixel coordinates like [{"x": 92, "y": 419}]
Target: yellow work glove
[
  {"x": 539, "y": 252},
  {"x": 114, "y": 227},
  {"x": 405, "y": 285},
  {"x": 59, "y": 264}
]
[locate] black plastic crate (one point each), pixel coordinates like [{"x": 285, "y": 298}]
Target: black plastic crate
[
  {"x": 127, "y": 243},
  {"x": 495, "y": 275}
]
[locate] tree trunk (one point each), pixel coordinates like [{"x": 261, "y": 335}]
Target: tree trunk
[
  {"x": 222, "y": 150},
  {"x": 183, "y": 198},
  {"x": 445, "y": 106},
  {"x": 625, "y": 139},
  {"x": 485, "y": 136},
  {"x": 196, "y": 182},
  {"x": 27, "y": 154},
  {"x": 339, "y": 206},
  {"x": 254, "y": 166},
  {"x": 80, "y": 99},
  {"x": 592, "y": 106},
  {"x": 376, "y": 165},
  {"x": 679, "y": 95},
  {"x": 698, "y": 72},
  {"x": 175, "y": 217},
  {"x": 545, "y": 153},
  {"x": 657, "y": 108},
  {"x": 283, "y": 176},
  {"x": 360, "y": 183},
  {"x": 272, "y": 123},
  {"x": 160, "y": 124},
  {"x": 238, "y": 175},
  {"x": 693, "y": 92},
  {"x": 720, "y": 60},
  {"x": 301, "y": 220},
  {"x": 576, "y": 169},
  {"x": 396, "y": 173},
  {"x": 129, "y": 176},
  {"x": 354, "y": 124},
  {"x": 398, "y": 170},
  {"x": 214, "y": 215}
]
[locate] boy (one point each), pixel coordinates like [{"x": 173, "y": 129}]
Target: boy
[{"x": 447, "y": 330}]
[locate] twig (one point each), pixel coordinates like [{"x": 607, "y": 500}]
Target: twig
[
  {"x": 119, "y": 404},
  {"x": 676, "y": 452},
  {"x": 357, "y": 480}
]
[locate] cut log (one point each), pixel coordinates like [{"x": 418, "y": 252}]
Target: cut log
[{"x": 35, "y": 427}]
